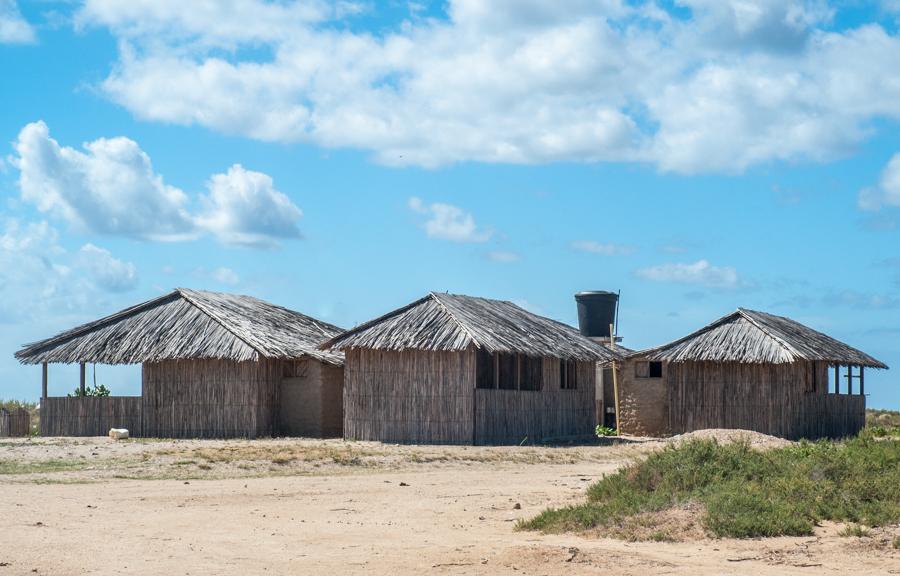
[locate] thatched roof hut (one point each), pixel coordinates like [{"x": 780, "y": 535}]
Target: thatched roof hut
[
  {"x": 463, "y": 370},
  {"x": 189, "y": 324},
  {"x": 442, "y": 322},
  {"x": 753, "y": 337},
  {"x": 213, "y": 365},
  {"x": 749, "y": 370}
]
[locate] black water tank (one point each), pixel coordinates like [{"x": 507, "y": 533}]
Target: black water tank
[{"x": 596, "y": 311}]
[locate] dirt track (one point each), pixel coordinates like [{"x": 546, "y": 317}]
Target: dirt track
[{"x": 453, "y": 517}]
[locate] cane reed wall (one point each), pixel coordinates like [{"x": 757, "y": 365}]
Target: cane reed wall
[
  {"x": 430, "y": 398},
  {"x": 788, "y": 400},
  {"x": 208, "y": 399}
]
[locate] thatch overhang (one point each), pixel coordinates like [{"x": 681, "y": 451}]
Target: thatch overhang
[
  {"x": 748, "y": 336},
  {"x": 449, "y": 322},
  {"x": 189, "y": 324}
]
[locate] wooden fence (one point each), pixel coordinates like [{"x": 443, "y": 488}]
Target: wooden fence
[
  {"x": 14, "y": 423},
  {"x": 90, "y": 415}
]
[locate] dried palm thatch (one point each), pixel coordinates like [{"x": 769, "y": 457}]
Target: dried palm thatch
[
  {"x": 189, "y": 324},
  {"x": 449, "y": 322},
  {"x": 752, "y": 337}
]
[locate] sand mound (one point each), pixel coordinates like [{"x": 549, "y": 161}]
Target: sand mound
[{"x": 726, "y": 436}]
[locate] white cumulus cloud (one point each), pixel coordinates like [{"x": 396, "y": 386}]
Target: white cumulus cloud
[
  {"x": 110, "y": 187},
  {"x": 448, "y": 222},
  {"x": 38, "y": 277},
  {"x": 243, "y": 207},
  {"x": 733, "y": 84},
  {"x": 888, "y": 190},
  {"x": 106, "y": 271},
  {"x": 699, "y": 272},
  {"x": 14, "y": 29}
]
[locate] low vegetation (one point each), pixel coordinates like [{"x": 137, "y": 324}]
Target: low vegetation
[
  {"x": 882, "y": 418},
  {"x": 737, "y": 491}
]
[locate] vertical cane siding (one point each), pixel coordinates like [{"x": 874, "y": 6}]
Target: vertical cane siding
[
  {"x": 789, "y": 400},
  {"x": 515, "y": 416},
  {"x": 410, "y": 396},
  {"x": 210, "y": 398},
  {"x": 430, "y": 398}
]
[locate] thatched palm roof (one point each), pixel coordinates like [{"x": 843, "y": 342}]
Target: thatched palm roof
[
  {"x": 450, "y": 322},
  {"x": 756, "y": 337},
  {"x": 187, "y": 324}
]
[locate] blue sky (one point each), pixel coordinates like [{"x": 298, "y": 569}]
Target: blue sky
[{"x": 345, "y": 158}]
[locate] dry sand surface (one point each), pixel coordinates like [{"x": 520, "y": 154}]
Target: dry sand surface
[{"x": 93, "y": 506}]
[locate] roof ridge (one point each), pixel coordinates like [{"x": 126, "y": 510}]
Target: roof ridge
[
  {"x": 216, "y": 318},
  {"x": 455, "y": 319},
  {"x": 748, "y": 315}
]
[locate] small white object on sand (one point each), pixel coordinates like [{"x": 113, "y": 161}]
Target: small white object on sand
[{"x": 118, "y": 433}]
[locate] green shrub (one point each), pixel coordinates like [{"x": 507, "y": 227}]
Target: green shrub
[
  {"x": 746, "y": 492},
  {"x": 97, "y": 390},
  {"x": 603, "y": 431},
  {"x": 742, "y": 513}
]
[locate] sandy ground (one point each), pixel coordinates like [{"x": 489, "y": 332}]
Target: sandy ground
[{"x": 351, "y": 508}]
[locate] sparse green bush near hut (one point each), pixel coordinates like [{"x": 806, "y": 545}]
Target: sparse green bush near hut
[
  {"x": 98, "y": 390},
  {"x": 745, "y": 492}
]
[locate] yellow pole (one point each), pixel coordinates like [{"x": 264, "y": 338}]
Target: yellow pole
[{"x": 612, "y": 341}]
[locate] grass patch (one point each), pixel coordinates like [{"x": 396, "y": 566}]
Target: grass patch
[
  {"x": 854, "y": 530},
  {"x": 744, "y": 492},
  {"x": 41, "y": 466}
]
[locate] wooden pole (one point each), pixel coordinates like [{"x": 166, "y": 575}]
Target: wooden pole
[
  {"x": 475, "y": 402},
  {"x": 81, "y": 369},
  {"x": 849, "y": 380},
  {"x": 612, "y": 345},
  {"x": 862, "y": 381},
  {"x": 44, "y": 381},
  {"x": 837, "y": 378}
]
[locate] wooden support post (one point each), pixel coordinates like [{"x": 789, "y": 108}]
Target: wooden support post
[
  {"x": 518, "y": 371},
  {"x": 44, "y": 381},
  {"x": 837, "y": 378},
  {"x": 849, "y": 380},
  {"x": 81, "y": 367},
  {"x": 862, "y": 381},
  {"x": 612, "y": 343},
  {"x": 496, "y": 371}
]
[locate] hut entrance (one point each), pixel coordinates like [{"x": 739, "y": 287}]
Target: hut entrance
[
  {"x": 607, "y": 417},
  {"x": 310, "y": 400}
]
